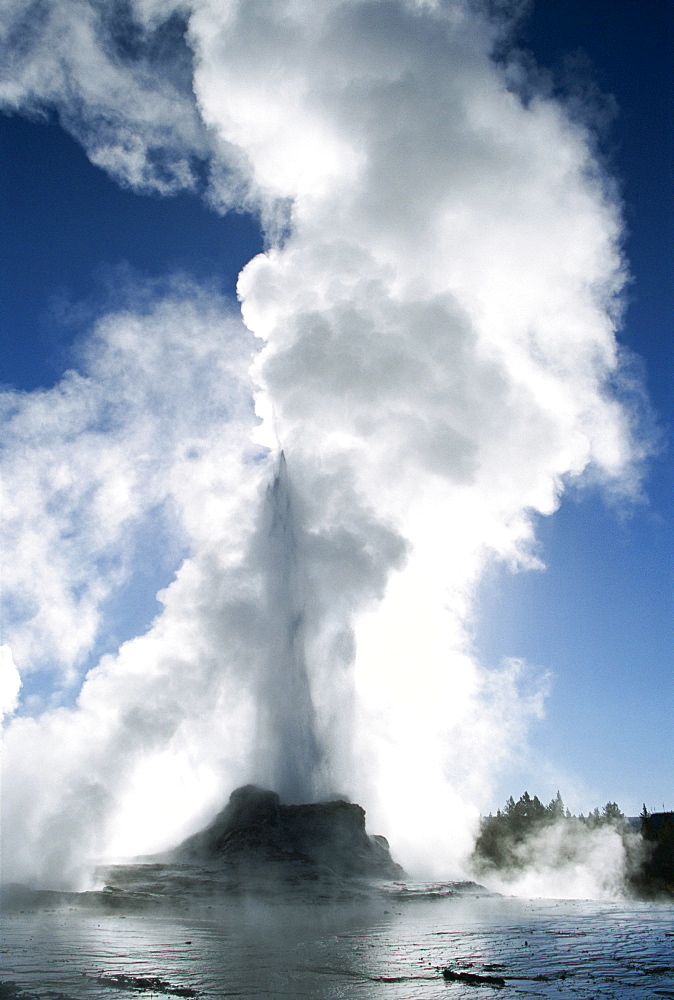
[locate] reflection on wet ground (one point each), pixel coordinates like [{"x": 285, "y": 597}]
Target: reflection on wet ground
[{"x": 392, "y": 942}]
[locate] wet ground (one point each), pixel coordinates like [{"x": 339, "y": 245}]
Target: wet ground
[{"x": 392, "y": 943}]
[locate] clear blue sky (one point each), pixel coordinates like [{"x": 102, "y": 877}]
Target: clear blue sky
[{"x": 600, "y": 617}]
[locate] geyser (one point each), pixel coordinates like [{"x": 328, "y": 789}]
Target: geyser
[
  {"x": 287, "y": 746},
  {"x": 429, "y": 337}
]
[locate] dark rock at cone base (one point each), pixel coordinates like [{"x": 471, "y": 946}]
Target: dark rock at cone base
[{"x": 255, "y": 827}]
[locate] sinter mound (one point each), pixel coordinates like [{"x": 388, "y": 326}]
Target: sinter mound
[{"x": 255, "y": 827}]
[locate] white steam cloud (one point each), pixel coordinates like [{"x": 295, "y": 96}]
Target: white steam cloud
[
  {"x": 571, "y": 860},
  {"x": 436, "y": 352}
]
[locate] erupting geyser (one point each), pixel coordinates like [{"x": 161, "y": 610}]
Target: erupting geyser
[
  {"x": 287, "y": 747},
  {"x": 429, "y": 336}
]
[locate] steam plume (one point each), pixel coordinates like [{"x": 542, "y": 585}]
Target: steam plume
[{"x": 435, "y": 320}]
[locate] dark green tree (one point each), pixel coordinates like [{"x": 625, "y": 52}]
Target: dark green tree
[
  {"x": 557, "y": 809},
  {"x": 612, "y": 813}
]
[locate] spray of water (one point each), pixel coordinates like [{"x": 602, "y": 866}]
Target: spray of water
[{"x": 424, "y": 358}]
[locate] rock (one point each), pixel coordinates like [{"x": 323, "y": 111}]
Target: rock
[
  {"x": 472, "y": 978},
  {"x": 256, "y": 827},
  {"x": 152, "y": 984}
]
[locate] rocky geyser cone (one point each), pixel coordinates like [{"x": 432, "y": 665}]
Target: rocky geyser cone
[{"x": 255, "y": 827}]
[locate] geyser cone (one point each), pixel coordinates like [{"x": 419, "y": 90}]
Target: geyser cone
[{"x": 255, "y": 828}]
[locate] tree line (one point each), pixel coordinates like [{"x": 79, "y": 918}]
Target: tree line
[{"x": 515, "y": 837}]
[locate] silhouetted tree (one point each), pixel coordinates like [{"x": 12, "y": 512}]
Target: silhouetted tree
[
  {"x": 612, "y": 813},
  {"x": 557, "y": 809}
]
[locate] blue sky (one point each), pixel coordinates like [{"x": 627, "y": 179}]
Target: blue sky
[
  {"x": 68, "y": 227},
  {"x": 80, "y": 243},
  {"x": 601, "y": 615}
]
